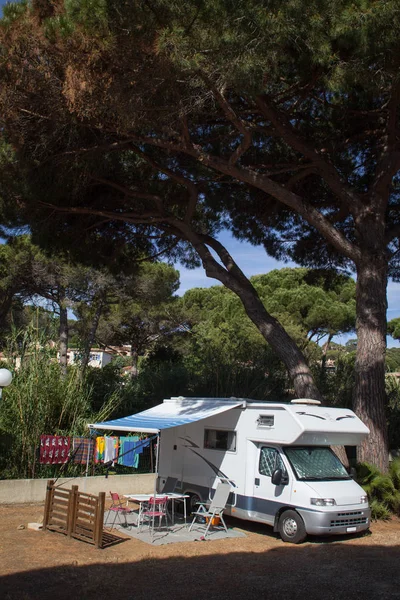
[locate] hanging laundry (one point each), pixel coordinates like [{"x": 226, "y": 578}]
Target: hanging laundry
[
  {"x": 82, "y": 447},
  {"x": 111, "y": 449},
  {"x": 128, "y": 456},
  {"x": 99, "y": 450},
  {"x": 142, "y": 444},
  {"x": 54, "y": 449}
]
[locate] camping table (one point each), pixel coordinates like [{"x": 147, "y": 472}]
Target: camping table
[{"x": 143, "y": 498}]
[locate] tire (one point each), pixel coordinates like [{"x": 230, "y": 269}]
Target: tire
[
  {"x": 192, "y": 503},
  {"x": 291, "y": 527}
]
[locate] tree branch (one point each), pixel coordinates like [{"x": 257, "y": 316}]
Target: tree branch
[
  {"x": 308, "y": 170},
  {"x": 230, "y": 114},
  {"x": 187, "y": 183},
  {"x": 131, "y": 193},
  {"x": 389, "y": 162},
  {"x": 145, "y": 219},
  {"x": 185, "y": 131},
  {"x": 313, "y": 216},
  {"x": 326, "y": 169},
  {"x": 153, "y": 256}
]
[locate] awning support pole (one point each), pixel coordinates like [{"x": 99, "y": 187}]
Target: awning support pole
[
  {"x": 87, "y": 459},
  {"x": 155, "y": 480},
  {"x": 157, "y": 461}
]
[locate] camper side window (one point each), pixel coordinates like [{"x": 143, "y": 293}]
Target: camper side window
[
  {"x": 270, "y": 460},
  {"x": 219, "y": 439}
]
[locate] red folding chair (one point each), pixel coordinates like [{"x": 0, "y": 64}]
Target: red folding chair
[
  {"x": 120, "y": 511},
  {"x": 155, "y": 508}
]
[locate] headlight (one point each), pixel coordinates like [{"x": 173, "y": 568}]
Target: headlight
[
  {"x": 323, "y": 501},
  {"x": 364, "y": 500}
]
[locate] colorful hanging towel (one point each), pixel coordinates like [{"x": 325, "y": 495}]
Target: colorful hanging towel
[
  {"x": 99, "y": 450},
  {"x": 54, "y": 449},
  {"x": 142, "y": 444},
  {"x": 81, "y": 448},
  {"x": 111, "y": 449},
  {"x": 128, "y": 455}
]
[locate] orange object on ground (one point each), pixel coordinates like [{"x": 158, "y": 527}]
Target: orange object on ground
[{"x": 215, "y": 521}]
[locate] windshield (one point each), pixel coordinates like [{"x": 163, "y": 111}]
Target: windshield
[{"x": 312, "y": 463}]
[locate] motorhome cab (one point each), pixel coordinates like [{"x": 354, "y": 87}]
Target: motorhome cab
[{"x": 277, "y": 457}]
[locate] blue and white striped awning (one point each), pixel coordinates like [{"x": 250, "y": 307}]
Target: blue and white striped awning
[{"x": 174, "y": 412}]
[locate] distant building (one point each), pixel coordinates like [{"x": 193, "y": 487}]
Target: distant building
[
  {"x": 330, "y": 365},
  {"x": 98, "y": 358}
]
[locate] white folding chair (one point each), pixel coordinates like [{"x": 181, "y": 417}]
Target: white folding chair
[{"x": 213, "y": 510}]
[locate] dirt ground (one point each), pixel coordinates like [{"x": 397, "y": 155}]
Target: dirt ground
[{"x": 39, "y": 565}]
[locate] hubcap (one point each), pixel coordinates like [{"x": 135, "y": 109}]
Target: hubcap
[{"x": 290, "y": 527}]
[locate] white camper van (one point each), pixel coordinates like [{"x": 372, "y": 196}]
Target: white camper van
[{"x": 276, "y": 456}]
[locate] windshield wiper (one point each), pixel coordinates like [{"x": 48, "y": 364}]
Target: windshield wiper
[{"x": 343, "y": 478}]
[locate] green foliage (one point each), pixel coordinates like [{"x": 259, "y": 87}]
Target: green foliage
[
  {"x": 393, "y": 360},
  {"x": 379, "y": 510},
  {"x": 394, "y": 328},
  {"x": 394, "y": 472},
  {"x": 91, "y": 14},
  {"x": 13, "y": 10},
  {"x": 338, "y": 386},
  {"x": 103, "y": 384},
  {"x": 225, "y": 353},
  {"x": 393, "y": 411},
  {"x": 383, "y": 490},
  {"x": 319, "y": 302},
  {"x": 138, "y": 310},
  {"x": 40, "y": 400}
]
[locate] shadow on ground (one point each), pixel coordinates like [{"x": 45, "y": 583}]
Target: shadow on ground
[{"x": 313, "y": 571}]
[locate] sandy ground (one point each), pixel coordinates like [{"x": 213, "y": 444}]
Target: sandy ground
[{"x": 39, "y": 565}]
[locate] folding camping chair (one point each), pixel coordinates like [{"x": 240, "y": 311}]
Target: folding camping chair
[
  {"x": 169, "y": 488},
  {"x": 155, "y": 508},
  {"x": 169, "y": 485},
  {"x": 119, "y": 510},
  {"x": 211, "y": 512}
]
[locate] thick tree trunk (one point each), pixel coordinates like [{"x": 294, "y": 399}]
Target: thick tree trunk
[
  {"x": 280, "y": 341},
  {"x": 272, "y": 331},
  {"x": 341, "y": 454},
  {"x": 5, "y": 306},
  {"x": 369, "y": 393},
  {"x": 63, "y": 333}
]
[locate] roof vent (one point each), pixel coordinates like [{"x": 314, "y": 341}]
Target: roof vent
[{"x": 308, "y": 401}]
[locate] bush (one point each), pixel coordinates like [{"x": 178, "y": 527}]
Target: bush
[
  {"x": 383, "y": 490},
  {"x": 41, "y": 401}
]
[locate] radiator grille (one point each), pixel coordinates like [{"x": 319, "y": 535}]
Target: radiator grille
[
  {"x": 349, "y": 522},
  {"x": 356, "y": 513}
]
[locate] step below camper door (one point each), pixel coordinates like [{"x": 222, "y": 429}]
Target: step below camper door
[{"x": 269, "y": 498}]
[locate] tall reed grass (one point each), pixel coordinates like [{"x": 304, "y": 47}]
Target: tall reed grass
[{"x": 41, "y": 400}]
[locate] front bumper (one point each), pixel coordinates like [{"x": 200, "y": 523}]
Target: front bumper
[{"x": 342, "y": 521}]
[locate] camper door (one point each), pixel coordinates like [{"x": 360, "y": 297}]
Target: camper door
[{"x": 269, "y": 496}]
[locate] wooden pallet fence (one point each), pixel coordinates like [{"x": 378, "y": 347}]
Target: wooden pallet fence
[{"x": 75, "y": 514}]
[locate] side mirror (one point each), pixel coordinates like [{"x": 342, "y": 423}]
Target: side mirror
[{"x": 276, "y": 478}]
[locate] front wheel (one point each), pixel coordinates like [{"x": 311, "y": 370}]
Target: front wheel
[
  {"x": 192, "y": 503},
  {"x": 291, "y": 527}
]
